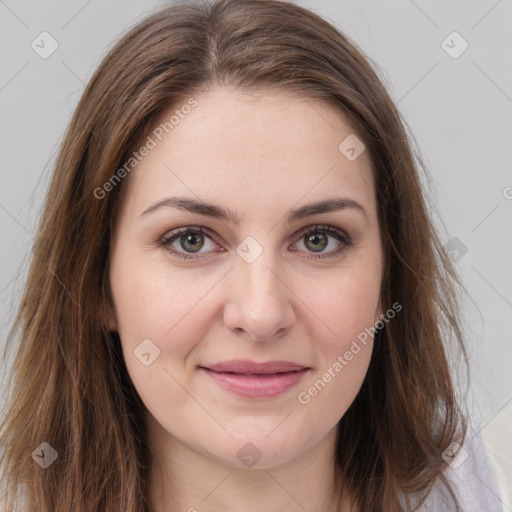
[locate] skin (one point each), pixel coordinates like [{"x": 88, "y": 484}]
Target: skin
[{"x": 260, "y": 155}]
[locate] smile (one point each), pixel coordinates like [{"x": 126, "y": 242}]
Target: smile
[{"x": 256, "y": 385}]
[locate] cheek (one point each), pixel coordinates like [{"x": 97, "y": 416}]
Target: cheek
[
  {"x": 345, "y": 303},
  {"x": 345, "y": 313},
  {"x": 163, "y": 307},
  {"x": 153, "y": 301},
  {"x": 328, "y": 393}
]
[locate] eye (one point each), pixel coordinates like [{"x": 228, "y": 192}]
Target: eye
[
  {"x": 317, "y": 239},
  {"x": 191, "y": 239}
]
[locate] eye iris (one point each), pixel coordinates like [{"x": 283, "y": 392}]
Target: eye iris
[
  {"x": 191, "y": 239},
  {"x": 315, "y": 238}
]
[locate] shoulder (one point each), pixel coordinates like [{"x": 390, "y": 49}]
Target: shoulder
[
  {"x": 469, "y": 474},
  {"x": 497, "y": 439}
]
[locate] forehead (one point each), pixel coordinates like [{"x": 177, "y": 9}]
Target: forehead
[{"x": 245, "y": 147}]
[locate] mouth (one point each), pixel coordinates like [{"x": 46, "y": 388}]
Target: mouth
[{"x": 256, "y": 380}]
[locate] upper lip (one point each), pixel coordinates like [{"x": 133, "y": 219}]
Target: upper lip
[{"x": 252, "y": 368}]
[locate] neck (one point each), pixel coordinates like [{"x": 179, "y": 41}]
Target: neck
[{"x": 182, "y": 479}]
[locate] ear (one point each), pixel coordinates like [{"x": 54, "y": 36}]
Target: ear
[
  {"x": 108, "y": 313},
  {"x": 111, "y": 317},
  {"x": 378, "y": 312}
]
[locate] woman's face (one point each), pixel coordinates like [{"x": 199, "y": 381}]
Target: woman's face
[{"x": 267, "y": 280}]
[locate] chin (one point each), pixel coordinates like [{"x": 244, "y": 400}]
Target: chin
[{"x": 254, "y": 450}]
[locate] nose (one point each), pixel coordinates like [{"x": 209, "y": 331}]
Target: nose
[{"x": 260, "y": 303}]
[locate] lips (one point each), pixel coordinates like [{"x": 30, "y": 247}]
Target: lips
[
  {"x": 256, "y": 380},
  {"x": 251, "y": 368}
]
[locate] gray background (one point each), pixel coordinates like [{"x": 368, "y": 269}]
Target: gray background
[{"x": 459, "y": 110}]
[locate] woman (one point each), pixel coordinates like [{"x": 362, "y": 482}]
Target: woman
[{"x": 297, "y": 361}]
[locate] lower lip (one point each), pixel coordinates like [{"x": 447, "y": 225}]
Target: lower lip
[{"x": 256, "y": 386}]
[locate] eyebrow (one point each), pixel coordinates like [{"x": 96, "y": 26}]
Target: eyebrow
[{"x": 218, "y": 212}]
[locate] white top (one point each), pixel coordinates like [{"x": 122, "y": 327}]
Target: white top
[
  {"x": 480, "y": 473},
  {"x": 497, "y": 437}
]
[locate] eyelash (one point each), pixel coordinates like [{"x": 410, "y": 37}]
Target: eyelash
[{"x": 167, "y": 240}]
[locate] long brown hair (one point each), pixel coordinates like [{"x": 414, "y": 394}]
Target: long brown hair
[{"x": 69, "y": 386}]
